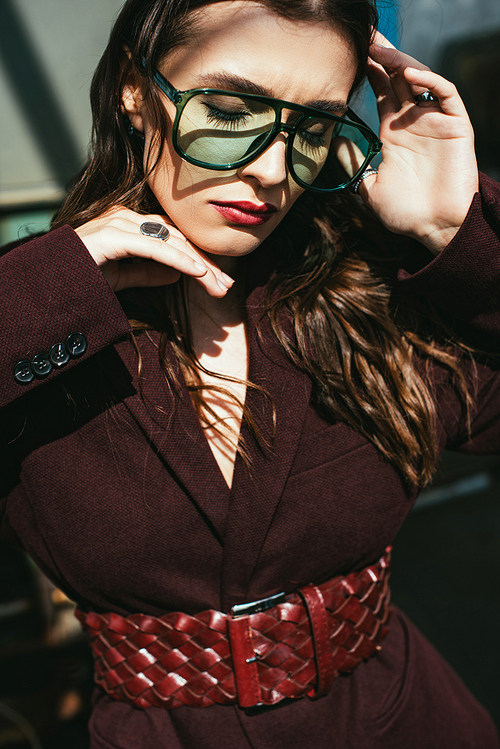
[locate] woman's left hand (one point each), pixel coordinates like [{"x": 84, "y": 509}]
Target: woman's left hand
[{"x": 428, "y": 176}]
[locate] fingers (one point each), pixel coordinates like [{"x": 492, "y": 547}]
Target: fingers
[
  {"x": 396, "y": 78},
  {"x": 391, "y": 58},
  {"x": 365, "y": 186},
  {"x": 141, "y": 274},
  {"x": 387, "y": 102},
  {"x": 381, "y": 40},
  {"x": 389, "y": 61},
  {"x": 448, "y": 98},
  {"x": 201, "y": 261},
  {"x": 163, "y": 262},
  {"x": 352, "y": 158},
  {"x": 349, "y": 155},
  {"x": 129, "y": 258}
]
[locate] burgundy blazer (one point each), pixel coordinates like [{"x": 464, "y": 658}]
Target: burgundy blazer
[{"x": 117, "y": 497}]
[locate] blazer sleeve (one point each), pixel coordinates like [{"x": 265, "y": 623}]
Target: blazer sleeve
[
  {"x": 56, "y": 309},
  {"x": 464, "y": 279}
]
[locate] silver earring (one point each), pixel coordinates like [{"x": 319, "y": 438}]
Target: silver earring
[{"x": 131, "y": 131}]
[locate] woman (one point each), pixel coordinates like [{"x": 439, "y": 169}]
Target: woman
[{"x": 280, "y": 402}]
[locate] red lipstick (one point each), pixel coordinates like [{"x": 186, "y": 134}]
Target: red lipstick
[{"x": 244, "y": 212}]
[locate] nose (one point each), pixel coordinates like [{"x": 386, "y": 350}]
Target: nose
[{"x": 270, "y": 167}]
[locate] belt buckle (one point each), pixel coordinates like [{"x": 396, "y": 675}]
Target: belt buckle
[
  {"x": 255, "y": 607},
  {"x": 247, "y": 609}
]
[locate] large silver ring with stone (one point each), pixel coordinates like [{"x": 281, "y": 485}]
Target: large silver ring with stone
[
  {"x": 364, "y": 175},
  {"x": 424, "y": 98},
  {"x": 155, "y": 229}
]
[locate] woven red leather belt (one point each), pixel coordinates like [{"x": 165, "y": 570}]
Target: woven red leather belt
[{"x": 263, "y": 652}]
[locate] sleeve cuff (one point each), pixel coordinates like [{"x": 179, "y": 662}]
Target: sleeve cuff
[
  {"x": 53, "y": 295},
  {"x": 464, "y": 279}
]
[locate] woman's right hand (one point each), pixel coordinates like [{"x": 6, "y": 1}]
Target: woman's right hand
[
  {"x": 116, "y": 236},
  {"x": 428, "y": 176}
]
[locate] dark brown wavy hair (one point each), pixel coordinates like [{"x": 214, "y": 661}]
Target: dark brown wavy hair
[{"x": 333, "y": 277}]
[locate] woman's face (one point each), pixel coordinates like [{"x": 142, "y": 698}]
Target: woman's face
[{"x": 299, "y": 62}]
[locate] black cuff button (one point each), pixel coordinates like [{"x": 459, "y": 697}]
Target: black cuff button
[
  {"x": 41, "y": 365},
  {"x": 23, "y": 372},
  {"x": 76, "y": 345},
  {"x": 58, "y": 355}
]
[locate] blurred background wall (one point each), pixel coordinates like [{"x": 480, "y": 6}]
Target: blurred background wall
[
  {"x": 459, "y": 39},
  {"x": 49, "y": 49},
  {"x": 447, "y": 556},
  {"x": 48, "y": 52}
]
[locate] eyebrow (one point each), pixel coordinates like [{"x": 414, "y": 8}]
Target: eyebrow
[{"x": 230, "y": 82}]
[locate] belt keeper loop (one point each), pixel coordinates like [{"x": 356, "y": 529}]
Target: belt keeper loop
[
  {"x": 246, "y": 675},
  {"x": 320, "y": 634}
]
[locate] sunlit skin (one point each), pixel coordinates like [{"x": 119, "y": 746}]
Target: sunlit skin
[
  {"x": 301, "y": 63},
  {"x": 424, "y": 187}
]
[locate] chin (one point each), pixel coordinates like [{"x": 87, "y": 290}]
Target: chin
[{"x": 231, "y": 242}]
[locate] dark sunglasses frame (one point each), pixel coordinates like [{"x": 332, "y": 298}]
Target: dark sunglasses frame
[{"x": 181, "y": 98}]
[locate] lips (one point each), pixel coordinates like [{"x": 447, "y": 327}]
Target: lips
[{"x": 244, "y": 212}]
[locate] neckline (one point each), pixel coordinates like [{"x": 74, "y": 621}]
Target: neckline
[
  {"x": 184, "y": 419},
  {"x": 252, "y": 313},
  {"x": 203, "y": 434}
]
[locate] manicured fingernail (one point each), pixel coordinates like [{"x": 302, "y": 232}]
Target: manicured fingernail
[
  {"x": 200, "y": 266},
  {"x": 222, "y": 285},
  {"x": 228, "y": 279}
]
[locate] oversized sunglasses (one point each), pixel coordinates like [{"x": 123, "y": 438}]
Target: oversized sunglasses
[{"x": 225, "y": 130}]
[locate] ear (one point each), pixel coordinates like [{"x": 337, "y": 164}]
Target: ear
[{"x": 132, "y": 105}]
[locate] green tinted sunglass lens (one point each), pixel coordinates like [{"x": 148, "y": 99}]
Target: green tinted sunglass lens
[
  {"x": 344, "y": 153},
  {"x": 311, "y": 146},
  {"x": 220, "y": 130},
  {"x": 351, "y": 151}
]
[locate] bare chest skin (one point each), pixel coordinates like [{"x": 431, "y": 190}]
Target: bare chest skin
[{"x": 220, "y": 341}]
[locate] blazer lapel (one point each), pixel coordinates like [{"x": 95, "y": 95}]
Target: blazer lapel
[
  {"x": 175, "y": 434},
  {"x": 240, "y": 518},
  {"x": 256, "y": 494}
]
